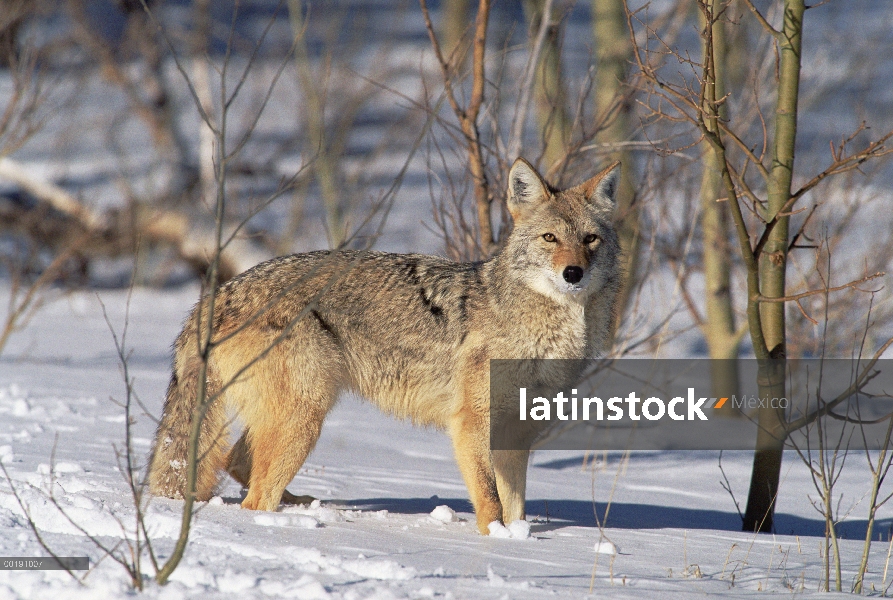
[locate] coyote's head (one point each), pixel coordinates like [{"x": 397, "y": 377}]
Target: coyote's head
[{"x": 563, "y": 242}]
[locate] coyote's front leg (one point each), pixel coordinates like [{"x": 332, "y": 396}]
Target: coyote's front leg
[
  {"x": 510, "y": 468},
  {"x": 470, "y": 433}
]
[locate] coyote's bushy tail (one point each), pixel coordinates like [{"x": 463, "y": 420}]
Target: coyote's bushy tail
[{"x": 168, "y": 472}]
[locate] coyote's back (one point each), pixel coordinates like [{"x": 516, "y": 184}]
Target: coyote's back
[{"x": 412, "y": 333}]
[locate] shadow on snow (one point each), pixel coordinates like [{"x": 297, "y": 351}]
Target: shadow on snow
[{"x": 623, "y": 515}]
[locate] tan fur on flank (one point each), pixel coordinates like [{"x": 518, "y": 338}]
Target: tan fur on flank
[{"x": 414, "y": 334}]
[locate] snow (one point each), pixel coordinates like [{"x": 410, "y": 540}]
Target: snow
[
  {"x": 518, "y": 530},
  {"x": 275, "y": 520},
  {"x": 319, "y": 512},
  {"x": 444, "y": 514},
  {"x": 605, "y": 547},
  {"x": 392, "y": 519}
]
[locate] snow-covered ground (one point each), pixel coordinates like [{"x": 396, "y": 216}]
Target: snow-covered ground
[{"x": 394, "y": 520}]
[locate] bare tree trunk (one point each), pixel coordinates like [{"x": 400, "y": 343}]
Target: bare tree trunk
[
  {"x": 773, "y": 260},
  {"x": 202, "y": 77},
  {"x": 144, "y": 41},
  {"x": 614, "y": 54},
  {"x": 455, "y": 26},
  {"x": 720, "y": 330},
  {"x": 765, "y": 474},
  {"x": 553, "y": 120},
  {"x": 12, "y": 16},
  {"x": 763, "y": 248},
  {"x": 324, "y": 166}
]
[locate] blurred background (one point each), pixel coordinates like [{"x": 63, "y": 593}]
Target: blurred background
[{"x": 129, "y": 131}]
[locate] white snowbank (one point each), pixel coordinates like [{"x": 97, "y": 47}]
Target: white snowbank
[
  {"x": 79, "y": 514},
  {"x": 280, "y": 520},
  {"x": 518, "y": 530},
  {"x": 605, "y": 547},
  {"x": 379, "y": 569},
  {"x": 500, "y": 582},
  {"x": 317, "y": 511},
  {"x": 305, "y": 588},
  {"x": 444, "y": 514}
]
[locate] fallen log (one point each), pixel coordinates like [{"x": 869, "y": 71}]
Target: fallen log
[{"x": 59, "y": 220}]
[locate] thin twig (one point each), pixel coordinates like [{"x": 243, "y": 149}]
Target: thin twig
[
  {"x": 516, "y": 141},
  {"x": 800, "y": 296}
]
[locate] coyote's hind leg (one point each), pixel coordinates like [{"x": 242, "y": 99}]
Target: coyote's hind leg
[
  {"x": 238, "y": 465},
  {"x": 278, "y": 446}
]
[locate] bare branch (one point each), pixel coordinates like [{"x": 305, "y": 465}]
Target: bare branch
[
  {"x": 468, "y": 117},
  {"x": 516, "y": 140},
  {"x": 797, "y": 297},
  {"x": 844, "y": 163},
  {"x": 860, "y": 382},
  {"x": 762, "y": 20}
]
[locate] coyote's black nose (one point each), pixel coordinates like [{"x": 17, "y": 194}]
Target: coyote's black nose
[{"x": 573, "y": 274}]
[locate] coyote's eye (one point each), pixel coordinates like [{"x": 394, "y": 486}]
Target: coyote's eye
[
  {"x": 590, "y": 238},
  {"x": 550, "y": 237}
]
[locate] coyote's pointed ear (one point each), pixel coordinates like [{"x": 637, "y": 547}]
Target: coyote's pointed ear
[
  {"x": 603, "y": 187},
  {"x": 526, "y": 188}
]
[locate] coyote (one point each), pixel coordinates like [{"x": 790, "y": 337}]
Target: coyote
[{"x": 412, "y": 333}]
